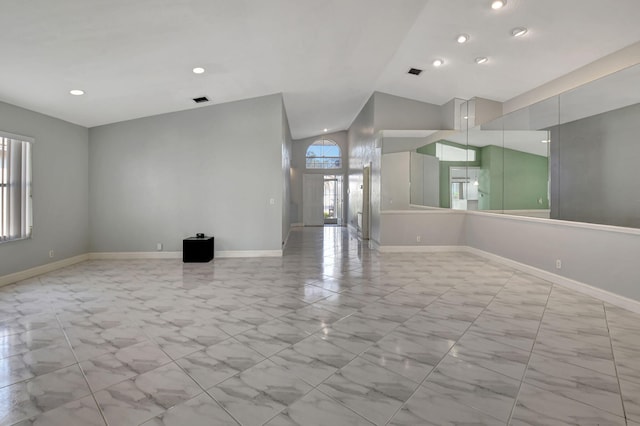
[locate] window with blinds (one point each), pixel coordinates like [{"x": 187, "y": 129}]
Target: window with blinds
[{"x": 16, "y": 221}]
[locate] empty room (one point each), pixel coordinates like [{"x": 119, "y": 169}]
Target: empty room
[{"x": 340, "y": 212}]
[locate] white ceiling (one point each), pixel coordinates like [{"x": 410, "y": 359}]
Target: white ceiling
[{"x": 134, "y": 58}]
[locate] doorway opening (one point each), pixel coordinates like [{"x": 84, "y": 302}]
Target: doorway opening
[
  {"x": 333, "y": 200},
  {"x": 464, "y": 187}
]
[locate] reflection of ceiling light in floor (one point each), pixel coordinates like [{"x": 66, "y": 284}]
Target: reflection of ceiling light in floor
[
  {"x": 498, "y": 4},
  {"x": 463, "y": 38},
  {"x": 545, "y": 141},
  {"x": 518, "y": 32},
  {"x": 481, "y": 60}
]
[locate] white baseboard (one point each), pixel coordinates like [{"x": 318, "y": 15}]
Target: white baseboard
[
  {"x": 124, "y": 255},
  {"x": 42, "y": 269},
  {"x": 606, "y": 296},
  {"x": 249, "y": 253},
  {"x": 598, "y": 293},
  {"x": 178, "y": 254},
  {"x": 419, "y": 249}
]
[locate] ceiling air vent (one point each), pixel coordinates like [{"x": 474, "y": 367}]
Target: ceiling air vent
[
  {"x": 201, "y": 99},
  {"x": 415, "y": 71}
]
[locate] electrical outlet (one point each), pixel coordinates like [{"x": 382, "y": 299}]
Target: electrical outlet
[
  {"x": 558, "y": 264},
  {"x": 418, "y": 238},
  {"x": 51, "y": 253},
  {"x": 159, "y": 246}
]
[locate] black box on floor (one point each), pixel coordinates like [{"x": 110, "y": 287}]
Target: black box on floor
[{"x": 196, "y": 249}]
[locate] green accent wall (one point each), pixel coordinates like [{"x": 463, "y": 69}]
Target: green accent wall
[
  {"x": 512, "y": 180},
  {"x": 445, "y": 189},
  {"x": 509, "y": 179},
  {"x": 526, "y": 179},
  {"x": 490, "y": 182}
]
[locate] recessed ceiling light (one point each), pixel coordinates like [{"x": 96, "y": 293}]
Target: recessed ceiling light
[
  {"x": 325, "y": 130},
  {"x": 198, "y": 70},
  {"x": 481, "y": 60},
  {"x": 463, "y": 38},
  {"x": 76, "y": 92},
  {"x": 438, "y": 62},
  {"x": 518, "y": 32},
  {"x": 498, "y": 4}
]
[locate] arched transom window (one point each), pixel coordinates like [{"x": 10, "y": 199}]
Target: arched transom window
[{"x": 324, "y": 154}]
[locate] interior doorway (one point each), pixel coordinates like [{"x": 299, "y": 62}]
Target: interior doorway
[
  {"x": 463, "y": 183},
  {"x": 312, "y": 199},
  {"x": 322, "y": 199},
  {"x": 333, "y": 200}
]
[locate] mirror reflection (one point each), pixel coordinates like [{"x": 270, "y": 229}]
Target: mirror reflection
[
  {"x": 570, "y": 157},
  {"x": 593, "y": 167}
]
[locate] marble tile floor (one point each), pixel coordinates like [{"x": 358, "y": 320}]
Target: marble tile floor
[{"x": 330, "y": 334}]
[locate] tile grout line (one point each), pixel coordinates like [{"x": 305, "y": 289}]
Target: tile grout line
[
  {"x": 171, "y": 361},
  {"x": 84, "y": 376},
  {"x": 358, "y": 355},
  {"x": 579, "y": 366},
  {"x": 435, "y": 367},
  {"x": 524, "y": 374},
  {"x": 343, "y": 405},
  {"x": 615, "y": 364},
  {"x": 221, "y": 405},
  {"x": 462, "y": 285}
]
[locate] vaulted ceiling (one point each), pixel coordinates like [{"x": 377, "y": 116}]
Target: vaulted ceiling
[{"x": 135, "y": 58}]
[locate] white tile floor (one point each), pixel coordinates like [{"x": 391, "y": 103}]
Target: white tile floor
[{"x": 330, "y": 334}]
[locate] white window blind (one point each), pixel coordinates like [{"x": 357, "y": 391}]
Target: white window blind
[{"x": 15, "y": 187}]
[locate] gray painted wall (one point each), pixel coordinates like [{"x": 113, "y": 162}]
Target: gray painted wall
[
  {"x": 394, "y": 181},
  {"x": 442, "y": 228},
  {"x": 212, "y": 169},
  {"x": 397, "y": 113},
  {"x": 601, "y": 258},
  {"x": 383, "y": 112},
  {"x": 298, "y": 164},
  {"x": 402, "y": 144},
  {"x": 424, "y": 180},
  {"x": 286, "y": 175},
  {"x": 362, "y": 151},
  {"x": 60, "y": 190},
  {"x": 593, "y": 165}
]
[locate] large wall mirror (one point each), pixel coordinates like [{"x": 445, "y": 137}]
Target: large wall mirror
[{"x": 571, "y": 157}]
